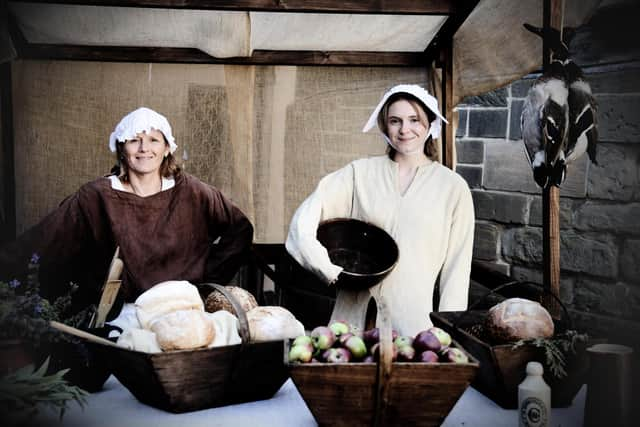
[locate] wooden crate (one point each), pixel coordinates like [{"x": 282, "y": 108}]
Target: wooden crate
[
  {"x": 189, "y": 380},
  {"x": 502, "y": 367},
  {"x": 382, "y": 393}
]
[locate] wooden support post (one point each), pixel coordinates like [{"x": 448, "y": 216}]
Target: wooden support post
[
  {"x": 448, "y": 139},
  {"x": 8, "y": 192},
  {"x": 552, "y": 17}
]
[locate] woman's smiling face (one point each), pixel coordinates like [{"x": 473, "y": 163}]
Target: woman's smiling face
[
  {"x": 407, "y": 129},
  {"x": 145, "y": 152}
]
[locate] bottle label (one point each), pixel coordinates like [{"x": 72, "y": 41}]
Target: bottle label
[{"x": 533, "y": 413}]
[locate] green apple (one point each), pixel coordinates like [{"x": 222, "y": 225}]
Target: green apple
[
  {"x": 323, "y": 337},
  {"x": 301, "y": 353},
  {"x": 339, "y": 327},
  {"x": 302, "y": 339},
  {"x": 356, "y": 346}
]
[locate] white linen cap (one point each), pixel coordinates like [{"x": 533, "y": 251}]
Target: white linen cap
[
  {"x": 141, "y": 120},
  {"x": 428, "y": 100}
]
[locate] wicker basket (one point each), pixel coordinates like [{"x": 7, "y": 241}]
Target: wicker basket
[
  {"x": 503, "y": 367},
  {"x": 364, "y": 394},
  {"x": 188, "y": 380}
]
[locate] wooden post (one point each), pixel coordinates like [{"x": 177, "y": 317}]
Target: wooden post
[
  {"x": 448, "y": 140},
  {"x": 8, "y": 192},
  {"x": 552, "y": 17}
]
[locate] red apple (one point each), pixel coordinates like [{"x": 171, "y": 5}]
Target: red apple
[
  {"x": 342, "y": 339},
  {"x": 425, "y": 340},
  {"x": 442, "y": 335},
  {"x": 455, "y": 355},
  {"x": 428, "y": 356},
  {"x": 337, "y": 355},
  {"x": 323, "y": 337}
]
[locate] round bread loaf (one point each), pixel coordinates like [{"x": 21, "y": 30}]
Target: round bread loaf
[
  {"x": 166, "y": 297},
  {"x": 517, "y": 319},
  {"x": 216, "y": 301},
  {"x": 183, "y": 330},
  {"x": 272, "y": 323}
]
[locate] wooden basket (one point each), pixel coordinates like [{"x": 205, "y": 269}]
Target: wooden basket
[
  {"x": 386, "y": 393},
  {"x": 503, "y": 368},
  {"x": 189, "y": 380}
]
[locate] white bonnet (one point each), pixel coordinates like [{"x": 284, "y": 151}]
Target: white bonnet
[
  {"x": 141, "y": 120},
  {"x": 428, "y": 100}
]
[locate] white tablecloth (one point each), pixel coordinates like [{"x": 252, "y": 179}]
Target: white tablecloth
[{"x": 115, "y": 406}]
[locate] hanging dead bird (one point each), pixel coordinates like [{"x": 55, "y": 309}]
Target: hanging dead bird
[
  {"x": 545, "y": 124},
  {"x": 583, "y": 131}
]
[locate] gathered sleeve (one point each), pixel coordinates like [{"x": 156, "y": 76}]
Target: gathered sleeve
[
  {"x": 332, "y": 198},
  {"x": 231, "y": 235},
  {"x": 456, "y": 270},
  {"x": 59, "y": 239}
]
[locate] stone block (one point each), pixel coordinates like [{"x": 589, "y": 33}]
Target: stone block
[
  {"x": 488, "y": 123},
  {"x": 501, "y": 207},
  {"x": 471, "y": 174},
  {"x": 618, "y": 118},
  {"x": 623, "y": 81},
  {"x": 507, "y": 168},
  {"x": 497, "y": 266},
  {"x": 534, "y": 274},
  {"x": 470, "y": 151},
  {"x": 495, "y": 98},
  {"x": 613, "y": 298},
  {"x": 618, "y": 218},
  {"x": 567, "y": 210},
  {"x": 486, "y": 241},
  {"x": 595, "y": 254},
  {"x": 515, "y": 133},
  {"x": 520, "y": 88},
  {"x": 630, "y": 261},
  {"x": 522, "y": 245},
  {"x": 463, "y": 115},
  {"x": 617, "y": 174},
  {"x": 613, "y": 329}
]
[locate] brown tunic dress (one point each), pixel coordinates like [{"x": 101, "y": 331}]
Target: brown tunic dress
[{"x": 189, "y": 232}]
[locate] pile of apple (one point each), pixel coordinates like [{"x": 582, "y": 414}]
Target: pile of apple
[{"x": 340, "y": 342}]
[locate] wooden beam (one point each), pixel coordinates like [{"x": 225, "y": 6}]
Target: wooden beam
[
  {"x": 552, "y": 17},
  {"x": 448, "y": 140},
  {"x": 8, "y": 217},
  {"x": 449, "y": 28},
  {"x": 190, "y": 55},
  {"x": 399, "y": 7}
]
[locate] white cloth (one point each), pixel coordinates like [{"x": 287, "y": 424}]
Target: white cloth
[
  {"x": 141, "y": 120},
  {"x": 139, "y": 340},
  {"x": 226, "y": 327},
  {"x": 116, "y": 184},
  {"x": 419, "y": 92},
  {"x": 432, "y": 223}
]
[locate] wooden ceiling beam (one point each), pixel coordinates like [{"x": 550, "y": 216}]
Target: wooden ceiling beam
[
  {"x": 190, "y": 55},
  {"x": 399, "y": 7}
]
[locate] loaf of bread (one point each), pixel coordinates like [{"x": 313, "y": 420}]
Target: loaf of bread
[
  {"x": 183, "y": 330},
  {"x": 167, "y": 297},
  {"x": 216, "y": 301},
  {"x": 272, "y": 323},
  {"x": 517, "y": 319}
]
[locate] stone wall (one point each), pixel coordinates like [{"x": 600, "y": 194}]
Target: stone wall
[{"x": 599, "y": 206}]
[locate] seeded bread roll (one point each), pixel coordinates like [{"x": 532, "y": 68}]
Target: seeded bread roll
[
  {"x": 273, "y": 323},
  {"x": 516, "y": 319},
  {"x": 216, "y": 301},
  {"x": 183, "y": 330}
]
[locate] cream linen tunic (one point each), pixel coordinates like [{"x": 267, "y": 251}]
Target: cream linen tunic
[{"x": 432, "y": 223}]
